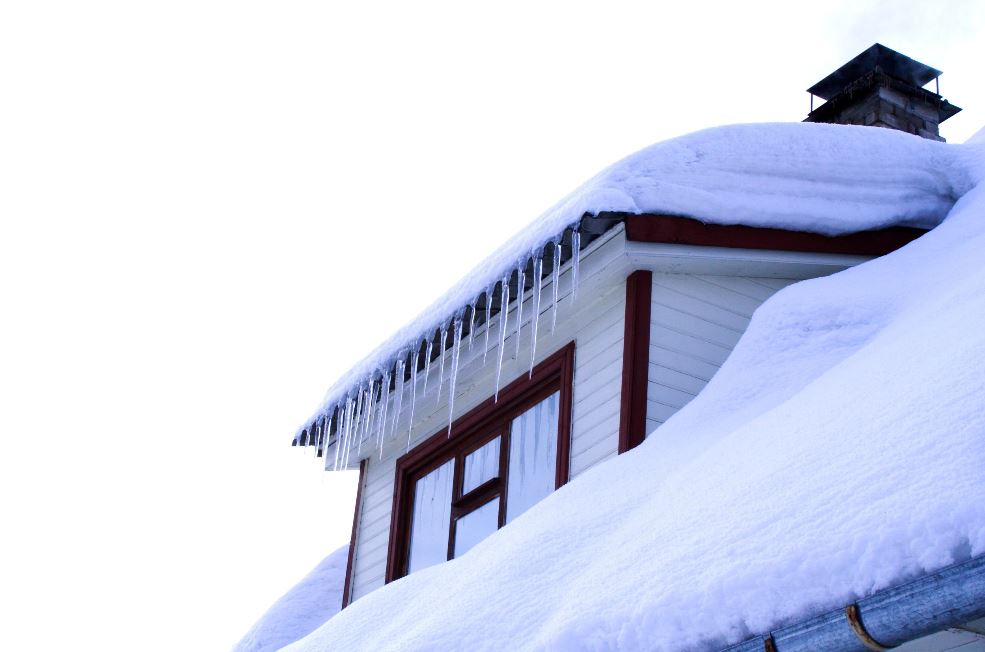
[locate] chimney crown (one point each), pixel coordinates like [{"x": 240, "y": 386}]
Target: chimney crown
[{"x": 882, "y": 88}]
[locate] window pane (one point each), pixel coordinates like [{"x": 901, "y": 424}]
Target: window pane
[
  {"x": 432, "y": 517},
  {"x": 481, "y": 465},
  {"x": 533, "y": 456},
  {"x": 476, "y": 526}
]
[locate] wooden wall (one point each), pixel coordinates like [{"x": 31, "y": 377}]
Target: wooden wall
[
  {"x": 695, "y": 322},
  {"x": 594, "y": 321}
]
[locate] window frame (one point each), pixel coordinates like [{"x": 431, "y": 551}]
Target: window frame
[{"x": 470, "y": 432}]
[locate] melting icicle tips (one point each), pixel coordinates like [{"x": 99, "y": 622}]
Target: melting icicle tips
[
  {"x": 441, "y": 366},
  {"x": 485, "y": 346},
  {"x": 365, "y": 410},
  {"x": 384, "y": 400},
  {"x": 575, "y": 255},
  {"x": 504, "y": 314},
  {"x": 538, "y": 270},
  {"x": 555, "y": 282},
  {"x": 455, "y": 354},
  {"x": 398, "y": 391},
  {"x": 427, "y": 363},
  {"x": 413, "y": 392},
  {"x": 521, "y": 286},
  {"x": 475, "y": 302}
]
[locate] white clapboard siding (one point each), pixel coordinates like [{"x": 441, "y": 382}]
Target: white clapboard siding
[
  {"x": 695, "y": 322},
  {"x": 594, "y": 321},
  {"x": 698, "y": 313}
]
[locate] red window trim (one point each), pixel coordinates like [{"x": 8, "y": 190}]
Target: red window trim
[
  {"x": 474, "y": 429},
  {"x": 347, "y": 588},
  {"x": 684, "y": 230},
  {"x": 635, "y": 360}
]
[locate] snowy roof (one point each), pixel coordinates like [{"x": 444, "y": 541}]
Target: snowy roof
[
  {"x": 837, "y": 452},
  {"x": 827, "y": 179},
  {"x": 300, "y": 611}
]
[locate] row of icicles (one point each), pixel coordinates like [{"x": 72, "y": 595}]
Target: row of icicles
[{"x": 362, "y": 415}]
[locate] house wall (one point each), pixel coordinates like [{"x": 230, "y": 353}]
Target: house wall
[
  {"x": 701, "y": 302},
  {"x": 594, "y": 321},
  {"x": 695, "y": 322}
]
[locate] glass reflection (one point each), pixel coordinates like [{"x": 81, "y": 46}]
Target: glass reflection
[
  {"x": 432, "y": 517},
  {"x": 481, "y": 465},
  {"x": 476, "y": 526},
  {"x": 533, "y": 456}
]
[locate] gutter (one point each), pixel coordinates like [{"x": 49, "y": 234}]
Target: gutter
[{"x": 948, "y": 598}]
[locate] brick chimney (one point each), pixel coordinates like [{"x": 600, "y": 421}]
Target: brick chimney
[{"x": 882, "y": 88}]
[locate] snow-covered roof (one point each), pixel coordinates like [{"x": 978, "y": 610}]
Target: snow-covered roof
[
  {"x": 300, "y": 611},
  {"x": 838, "y": 451},
  {"x": 820, "y": 178}
]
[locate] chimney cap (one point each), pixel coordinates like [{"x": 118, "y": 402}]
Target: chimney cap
[{"x": 892, "y": 63}]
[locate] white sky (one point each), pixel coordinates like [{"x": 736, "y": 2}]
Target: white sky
[{"x": 207, "y": 213}]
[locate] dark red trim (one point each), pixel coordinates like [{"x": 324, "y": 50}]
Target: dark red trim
[
  {"x": 567, "y": 374},
  {"x": 635, "y": 360},
  {"x": 472, "y": 430},
  {"x": 347, "y": 588},
  {"x": 683, "y": 230}
]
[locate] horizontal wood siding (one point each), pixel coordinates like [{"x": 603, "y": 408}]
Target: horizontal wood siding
[
  {"x": 695, "y": 322},
  {"x": 594, "y": 321}
]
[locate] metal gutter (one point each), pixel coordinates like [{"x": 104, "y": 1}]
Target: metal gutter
[{"x": 947, "y": 598}]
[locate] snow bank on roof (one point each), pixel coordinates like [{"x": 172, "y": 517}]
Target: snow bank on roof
[
  {"x": 828, "y": 179},
  {"x": 311, "y": 602},
  {"x": 837, "y": 452},
  {"x": 978, "y": 138}
]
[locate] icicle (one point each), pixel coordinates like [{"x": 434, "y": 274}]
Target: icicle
[
  {"x": 453, "y": 375},
  {"x": 427, "y": 363},
  {"x": 350, "y": 419},
  {"x": 372, "y": 401},
  {"x": 413, "y": 392},
  {"x": 342, "y": 437},
  {"x": 357, "y": 426},
  {"x": 489, "y": 298},
  {"x": 575, "y": 255},
  {"x": 475, "y": 302},
  {"x": 339, "y": 419},
  {"x": 399, "y": 392},
  {"x": 504, "y": 313},
  {"x": 538, "y": 270},
  {"x": 367, "y": 415},
  {"x": 384, "y": 402},
  {"x": 520, "y": 287},
  {"x": 555, "y": 282},
  {"x": 441, "y": 367},
  {"x": 320, "y": 436}
]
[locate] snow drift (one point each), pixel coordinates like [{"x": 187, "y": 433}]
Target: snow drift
[
  {"x": 311, "y": 602},
  {"x": 828, "y": 179},
  {"x": 838, "y": 451}
]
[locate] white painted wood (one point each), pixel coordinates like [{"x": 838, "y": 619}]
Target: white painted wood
[
  {"x": 594, "y": 321},
  {"x": 695, "y": 322},
  {"x": 722, "y": 261},
  {"x": 702, "y": 300}
]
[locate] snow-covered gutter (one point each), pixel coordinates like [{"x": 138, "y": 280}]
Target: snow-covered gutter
[{"x": 947, "y": 598}]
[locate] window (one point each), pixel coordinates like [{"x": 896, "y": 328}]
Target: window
[{"x": 502, "y": 458}]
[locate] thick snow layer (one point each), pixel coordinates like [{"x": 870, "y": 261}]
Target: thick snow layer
[
  {"x": 838, "y": 451},
  {"x": 301, "y": 610},
  {"x": 828, "y": 179},
  {"x": 978, "y": 137}
]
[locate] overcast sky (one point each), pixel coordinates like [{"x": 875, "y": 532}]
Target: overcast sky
[{"x": 210, "y": 210}]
